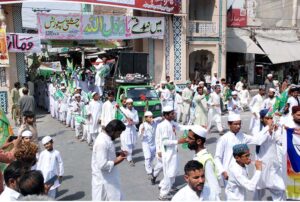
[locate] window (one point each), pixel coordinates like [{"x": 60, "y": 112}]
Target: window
[
  {"x": 202, "y": 10},
  {"x": 3, "y": 77}
]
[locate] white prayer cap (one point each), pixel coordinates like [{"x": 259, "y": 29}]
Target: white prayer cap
[
  {"x": 168, "y": 109},
  {"x": 148, "y": 113},
  {"x": 94, "y": 93},
  {"x": 99, "y": 60},
  {"x": 26, "y": 133},
  {"x": 78, "y": 88},
  {"x": 272, "y": 90},
  {"x": 269, "y": 75},
  {"x": 234, "y": 117},
  {"x": 46, "y": 139},
  {"x": 63, "y": 87},
  {"x": 234, "y": 93},
  {"x": 129, "y": 100},
  {"x": 77, "y": 95},
  {"x": 163, "y": 82},
  {"x": 199, "y": 130},
  {"x": 62, "y": 82},
  {"x": 201, "y": 83}
]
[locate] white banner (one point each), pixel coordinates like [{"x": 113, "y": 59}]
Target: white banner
[{"x": 20, "y": 42}]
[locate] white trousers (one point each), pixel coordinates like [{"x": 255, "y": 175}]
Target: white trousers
[
  {"x": 52, "y": 108},
  {"x": 68, "y": 117},
  {"x": 85, "y": 131},
  {"x": 158, "y": 167},
  {"x": 149, "y": 154},
  {"x": 277, "y": 195},
  {"x": 52, "y": 193},
  {"x": 78, "y": 129},
  {"x": 166, "y": 185},
  {"x": 186, "y": 112},
  {"x": 179, "y": 111},
  {"x": 213, "y": 116},
  {"x": 62, "y": 116}
]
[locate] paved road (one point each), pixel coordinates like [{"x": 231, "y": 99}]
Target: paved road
[{"x": 77, "y": 158}]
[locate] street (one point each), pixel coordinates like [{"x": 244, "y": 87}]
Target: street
[{"x": 135, "y": 185}]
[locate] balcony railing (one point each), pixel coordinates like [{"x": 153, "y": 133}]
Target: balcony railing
[{"x": 203, "y": 29}]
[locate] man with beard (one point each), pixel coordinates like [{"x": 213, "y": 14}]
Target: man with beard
[
  {"x": 195, "y": 190},
  {"x": 270, "y": 101},
  {"x": 196, "y": 139},
  {"x": 105, "y": 175}
]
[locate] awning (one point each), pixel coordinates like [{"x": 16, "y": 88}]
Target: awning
[
  {"x": 242, "y": 44},
  {"x": 239, "y": 41},
  {"x": 280, "y": 51}
]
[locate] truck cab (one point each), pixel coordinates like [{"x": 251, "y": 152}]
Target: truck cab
[{"x": 132, "y": 80}]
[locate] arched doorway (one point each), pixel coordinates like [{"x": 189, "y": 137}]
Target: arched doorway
[{"x": 202, "y": 61}]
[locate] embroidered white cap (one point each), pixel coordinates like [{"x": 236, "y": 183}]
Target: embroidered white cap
[
  {"x": 77, "y": 95},
  {"x": 201, "y": 83},
  {"x": 46, "y": 139},
  {"x": 269, "y": 75},
  {"x": 234, "y": 93},
  {"x": 234, "y": 117},
  {"x": 26, "y": 133},
  {"x": 148, "y": 113},
  {"x": 129, "y": 100},
  {"x": 168, "y": 109},
  {"x": 94, "y": 93},
  {"x": 199, "y": 130},
  {"x": 272, "y": 90}
]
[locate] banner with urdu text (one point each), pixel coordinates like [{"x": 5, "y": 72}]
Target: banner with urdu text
[
  {"x": 100, "y": 27},
  {"x": 21, "y": 42}
]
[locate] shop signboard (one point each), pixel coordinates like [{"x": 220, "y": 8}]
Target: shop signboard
[
  {"x": 163, "y": 6},
  {"x": 56, "y": 66},
  {"x": 20, "y": 43},
  {"x": 236, "y": 13},
  {"x": 99, "y": 27},
  {"x": 4, "y": 61}
]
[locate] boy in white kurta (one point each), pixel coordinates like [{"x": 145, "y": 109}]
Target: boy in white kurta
[
  {"x": 129, "y": 136},
  {"x": 223, "y": 154},
  {"x": 255, "y": 107},
  {"x": 94, "y": 113},
  {"x": 51, "y": 165},
  {"x": 147, "y": 134},
  {"x": 77, "y": 107},
  {"x": 108, "y": 110},
  {"x": 214, "y": 111},
  {"x": 239, "y": 181}
]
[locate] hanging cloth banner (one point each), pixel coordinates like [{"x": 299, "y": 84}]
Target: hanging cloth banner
[
  {"x": 20, "y": 43},
  {"x": 100, "y": 27}
]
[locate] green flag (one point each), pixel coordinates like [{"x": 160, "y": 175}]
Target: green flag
[
  {"x": 5, "y": 132},
  {"x": 280, "y": 103},
  {"x": 59, "y": 94},
  {"x": 185, "y": 145}
]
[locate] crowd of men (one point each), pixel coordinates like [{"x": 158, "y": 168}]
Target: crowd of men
[{"x": 194, "y": 109}]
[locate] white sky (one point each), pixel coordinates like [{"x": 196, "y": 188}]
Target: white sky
[{"x": 29, "y": 17}]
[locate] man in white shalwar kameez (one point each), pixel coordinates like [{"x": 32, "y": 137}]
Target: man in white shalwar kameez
[
  {"x": 166, "y": 131},
  {"x": 178, "y": 105},
  {"x": 293, "y": 100},
  {"x": 129, "y": 136},
  {"x": 108, "y": 110},
  {"x": 94, "y": 113},
  {"x": 51, "y": 165},
  {"x": 187, "y": 97},
  {"x": 99, "y": 79},
  {"x": 239, "y": 182},
  {"x": 147, "y": 134},
  {"x": 223, "y": 154},
  {"x": 271, "y": 178},
  {"x": 234, "y": 104},
  {"x": 77, "y": 107},
  {"x": 105, "y": 175},
  {"x": 165, "y": 95},
  {"x": 270, "y": 101},
  {"x": 255, "y": 107},
  {"x": 195, "y": 190},
  {"x": 52, "y": 91},
  {"x": 214, "y": 109}
]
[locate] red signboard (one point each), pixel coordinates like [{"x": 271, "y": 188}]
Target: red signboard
[
  {"x": 163, "y": 6},
  {"x": 237, "y": 18}
]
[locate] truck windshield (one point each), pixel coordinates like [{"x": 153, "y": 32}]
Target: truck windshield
[{"x": 140, "y": 94}]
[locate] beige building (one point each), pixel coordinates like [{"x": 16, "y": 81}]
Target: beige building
[{"x": 196, "y": 36}]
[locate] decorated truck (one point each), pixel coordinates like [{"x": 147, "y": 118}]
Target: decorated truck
[{"x": 131, "y": 79}]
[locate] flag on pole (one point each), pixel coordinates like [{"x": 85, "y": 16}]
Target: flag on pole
[{"x": 280, "y": 103}]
